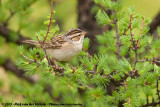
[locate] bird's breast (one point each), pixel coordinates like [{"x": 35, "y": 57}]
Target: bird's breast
[{"x": 66, "y": 52}]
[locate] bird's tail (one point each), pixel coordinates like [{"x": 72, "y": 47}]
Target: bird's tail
[{"x": 31, "y": 42}]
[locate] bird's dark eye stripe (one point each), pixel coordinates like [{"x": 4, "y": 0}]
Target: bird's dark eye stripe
[
  {"x": 77, "y": 35},
  {"x": 73, "y": 32}
]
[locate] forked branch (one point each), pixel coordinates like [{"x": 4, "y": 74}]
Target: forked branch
[{"x": 50, "y": 21}]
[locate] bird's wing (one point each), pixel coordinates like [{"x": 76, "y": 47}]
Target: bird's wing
[{"x": 56, "y": 42}]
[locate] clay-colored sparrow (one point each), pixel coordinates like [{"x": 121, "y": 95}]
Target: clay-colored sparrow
[{"x": 65, "y": 46}]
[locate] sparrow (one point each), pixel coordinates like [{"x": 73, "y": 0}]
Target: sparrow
[{"x": 65, "y": 46}]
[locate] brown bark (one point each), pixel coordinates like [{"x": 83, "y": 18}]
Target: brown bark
[
  {"x": 87, "y": 22},
  {"x": 155, "y": 23},
  {"x": 6, "y": 33},
  {"x": 9, "y": 65}
]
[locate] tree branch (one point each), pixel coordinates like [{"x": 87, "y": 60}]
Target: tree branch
[
  {"x": 152, "y": 104},
  {"x": 87, "y": 22},
  {"x": 50, "y": 21},
  {"x": 31, "y": 60},
  {"x": 11, "y": 15},
  {"x": 155, "y": 23},
  {"x": 118, "y": 42},
  {"x": 6, "y": 33},
  {"x": 135, "y": 45},
  {"x": 44, "y": 49},
  {"x": 9, "y": 65}
]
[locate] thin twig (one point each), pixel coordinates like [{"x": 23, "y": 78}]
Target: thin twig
[
  {"x": 157, "y": 85},
  {"x": 141, "y": 60},
  {"x": 151, "y": 60},
  {"x": 8, "y": 65},
  {"x": 134, "y": 45},
  {"x": 125, "y": 30},
  {"x": 7, "y": 20},
  {"x": 142, "y": 25},
  {"x": 31, "y": 60},
  {"x": 118, "y": 42},
  {"x": 50, "y": 21},
  {"x": 87, "y": 86},
  {"x": 12, "y": 13},
  {"x": 147, "y": 100},
  {"x": 128, "y": 99},
  {"x": 87, "y": 52},
  {"x": 45, "y": 52},
  {"x": 130, "y": 25},
  {"x": 152, "y": 104},
  {"x": 155, "y": 23}
]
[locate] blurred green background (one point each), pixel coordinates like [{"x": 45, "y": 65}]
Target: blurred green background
[
  {"x": 66, "y": 17},
  {"x": 66, "y": 13}
]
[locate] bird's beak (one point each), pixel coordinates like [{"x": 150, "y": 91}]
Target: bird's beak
[{"x": 84, "y": 33}]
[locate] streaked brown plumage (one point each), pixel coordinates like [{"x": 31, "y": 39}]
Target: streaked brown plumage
[{"x": 65, "y": 46}]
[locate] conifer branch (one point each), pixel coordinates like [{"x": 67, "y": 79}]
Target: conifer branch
[
  {"x": 125, "y": 30},
  {"x": 143, "y": 24},
  {"x": 7, "y": 20},
  {"x": 31, "y": 60},
  {"x": 45, "y": 37},
  {"x": 154, "y": 61},
  {"x": 87, "y": 52},
  {"x": 118, "y": 43},
  {"x": 6, "y": 33},
  {"x": 130, "y": 26},
  {"x": 44, "y": 49},
  {"x": 157, "y": 86},
  {"x": 10, "y": 66},
  {"x": 134, "y": 45},
  {"x": 128, "y": 99},
  {"x": 155, "y": 23},
  {"x": 87, "y": 86},
  {"x": 143, "y": 60},
  {"x": 123, "y": 77},
  {"x": 153, "y": 103},
  {"x": 50, "y": 21},
  {"x": 12, "y": 13},
  {"x": 147, "y": 100}
]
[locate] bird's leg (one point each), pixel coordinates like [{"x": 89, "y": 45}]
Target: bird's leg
[{"x": 56, "y": 65}]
